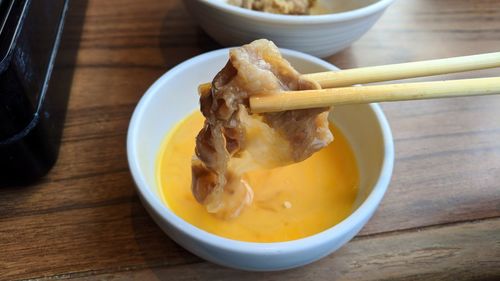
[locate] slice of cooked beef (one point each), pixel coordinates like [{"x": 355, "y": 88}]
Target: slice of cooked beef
[{"x": 234, "y": 141}]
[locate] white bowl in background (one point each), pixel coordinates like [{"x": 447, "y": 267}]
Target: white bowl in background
[
  {"x": 174, "y": 95},
  {"x": 318, "y": 35}
]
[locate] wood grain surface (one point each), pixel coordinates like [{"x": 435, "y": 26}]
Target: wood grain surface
[{"x": 440, "y": 219}]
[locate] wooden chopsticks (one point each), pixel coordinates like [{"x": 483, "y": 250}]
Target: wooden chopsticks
[
  {"x": 332, "y": 95},
  {"x": 349, "y": 77},
  {"x": 380, "y": 93}
]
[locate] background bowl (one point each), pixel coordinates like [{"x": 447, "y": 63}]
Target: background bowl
[
  {"x": 318, "y": 35},
  {"x": 174, "y": 95}
]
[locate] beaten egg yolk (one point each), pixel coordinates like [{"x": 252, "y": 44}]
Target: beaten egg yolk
[{"x": 289, "y": 202}]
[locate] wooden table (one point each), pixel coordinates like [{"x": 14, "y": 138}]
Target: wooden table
[{"x": 439, "y": 220}]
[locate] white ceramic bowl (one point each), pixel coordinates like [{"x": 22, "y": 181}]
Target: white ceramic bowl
[
  {"x": 318, "y": 35},
  {"x": 174, "y": 95}
]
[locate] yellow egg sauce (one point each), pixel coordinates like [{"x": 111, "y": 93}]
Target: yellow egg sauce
[{"x": 289, "y": 203}]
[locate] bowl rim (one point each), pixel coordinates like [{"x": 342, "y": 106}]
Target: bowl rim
[
  {"x": 364, "y": 11},
  {"x": 341, "y": 229}
]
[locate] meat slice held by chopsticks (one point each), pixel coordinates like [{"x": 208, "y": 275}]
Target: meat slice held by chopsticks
[{"x": 234, "y": 141}]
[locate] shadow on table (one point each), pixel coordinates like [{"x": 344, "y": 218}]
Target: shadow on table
[
  {"x": 181, "y": 38},
  {"x": 152, "y": 244}
]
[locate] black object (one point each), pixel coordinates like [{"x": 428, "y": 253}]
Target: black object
[{"x": 36, "y": 69}]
